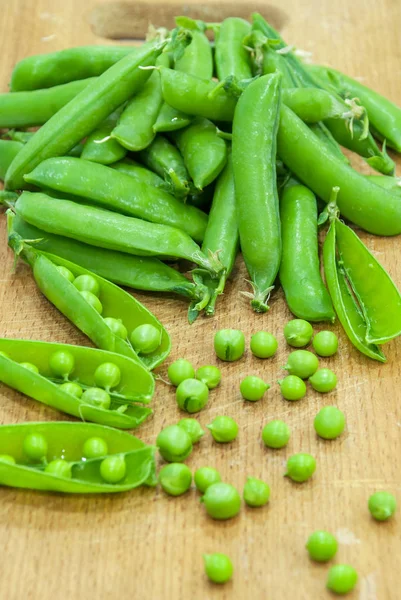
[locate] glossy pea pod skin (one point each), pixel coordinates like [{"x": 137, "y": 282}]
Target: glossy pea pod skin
[
  {"x": 100, "y": 147},
  {"x": 140, "y": 173},
  {"x": 136, "y": 385},
  {"x": 313, "y": 104},
  {"x": 231, "y": 56},
  {"x": 84, "y": 113},
  {"x": 8, "y": 151},
  {"x": 170, "y": 119},
  {"x": 304, "y": 290},
  {"x": 117, "y": 191},
  {"x": 326, "y": 138},
  {"x": 254, "y": 163},
  {"x": 65, "y": 439}
]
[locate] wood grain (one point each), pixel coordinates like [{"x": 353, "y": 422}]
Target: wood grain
[{"x": 144, "y": 545}]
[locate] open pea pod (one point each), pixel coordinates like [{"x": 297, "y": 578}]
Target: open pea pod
[
  {"x": 65, "y": 442},
  {"x": 136, "y": 383}
]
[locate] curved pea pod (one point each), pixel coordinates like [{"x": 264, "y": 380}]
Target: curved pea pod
[
  {"x": 8, "y": 151},
  {"x": 204, "y": 152},
  {"x": 100, "y": 147},
  {"x": 117, "y": 191},
  {"x": 140, "y": 173},
  {"x": 136, "y": 385},
  {"x": 231, "y": 56},
  {"x": 170, "y": 119},
  {"x": 66, "y": 440}
]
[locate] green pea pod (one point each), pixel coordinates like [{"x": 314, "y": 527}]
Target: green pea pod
[
  {"x": 204, "y": 152},
  {"x": 136, "y": 384},
  {"x": 231, "y": 56},
  {"x": 84, "y": 113},
  {"x": 8, "y": 151},
  {"x": 254, "y": 162},
  {"x": 305, "y": 293},
  {"x": 100, "y": 147},
  {"x": 313, "y": 104},
  {"x": 55, "y": 68},
  {"x": 326, "y": 138},
  {"x": 140, "y": 173},
  {"x": 65, "y": 441},
  {"x": 25, "y": 136},
  {"x": 170, "y": 119},
  {"x": 119, "y": 192},
  {"x": 392, "y": 184},
  {"x": 273, "y": 62},
  {"x": 197, "y": 57}
]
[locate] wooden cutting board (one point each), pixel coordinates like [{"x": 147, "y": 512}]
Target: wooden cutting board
[{"x": 146, "y": 546}]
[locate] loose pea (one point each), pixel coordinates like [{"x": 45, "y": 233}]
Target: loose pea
[
  {"x": 300, "y": 467},
  {"x": 66, "y": 273},
  {"x": 209, "y": 375},
  {"x": 324, "y": 380},
  {"x": 263, "y": 344},
  {"x": 298, "y": 333},
  {"x": 93, "y": 301},
  {"x": 222, "y": 501},
  {"x": 276, "y": 434},
  {"x": 35, "y": 446},
  {"x": 205, "y": 477},
  {"x": 180, "y": 370},
  {"x": 107, "y": 375},
  {"x": 341, "y": 579},
  {"x": 72, "y": 388},
  {"x": 175, "y": 479},
  {"x": 325, "y": 343},
  {"x": 218, "y": 567},
  {"x": 253, "y": 388},
  {"x": 256, "y": 492},
  {"x": 322, "y": 546},
  {"x": 146, "y": 338},
  {"x": 223, "y": 429},
  {"x": 60, "y": 468},
  {"x": 113, "y": 468},
  {"x": 7, "y": 459},
  {"x": 302, "y": 363},
  {"x": 62, "y": 363},
  {"x": 30, "y": 367},
  {"x": 329, "y": 422},
  {"x": 229, "y": 344},
  {"x": 193, "y": 429},
  {"x": 382, "y": 505},
  {"x": 192, "y": 395},
  {"x": 95, "y": 447},
  {"x": 292, "y": 387},
  {"x": 117, "y": 327},
  {"x": 97, "y": 397},
  {"x": 87, "y": 283},
  {"x": 174, "y": 444}
]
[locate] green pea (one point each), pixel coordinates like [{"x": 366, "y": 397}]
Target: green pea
[
  {"x": 62, "y": 363},
  {"x": 175, "y": 479},
  {"x": 292, "y": 387},
  {"x": 107, "y": 375},
  {"x": 72, "y": 388},
  {"x": 35, "y": 446},
  {"x": 218, "y": 567},
  {"x": 193, "y": 429},
  {"x": 192, "y": 395},
  {"x": 325, "y": 343},
  {"x": 66, "y": 273},
  {"x": 7, "y": 459},
  {"x": 322, "y": 546},
  {"x": 324, "y": 380},
  {"x": 30, "y": 367},
  {"x": 60, "y": 468},
  {"x": 180, "y": 370},
  {"x": 263, "y": 344},
  {"x": 174, "y": 444},
  {"x": 302, "y": 363},
  {"x": 229, "y": 344},
  {"x": 97, "y": 397},
  {"x": 93, "y": 301},
  {"x": 276, "y": 434},
  {"x": 253, "y": 388},
  {"x": 300, "y": 467},
  {"x": 298, "y": 333},
  {"x": 329, "y": 422},
  {"x": 256, "y": 492},
  {"x": 113, "y": 468},
  {"x": 209, "y": 375},
  {"x": 341, "y": 579},
  {"x": 87, "y": 283},
  {"x": 146, "y": 339},
  {"x": 205, "y": 477},
  {"x": 222, "y": 501},
  {"x": 117, "y": 327},
  {"x": 95, "y": 447},
  {"x": 223, "y": 429},
  {"x": 382, "y": 505}
]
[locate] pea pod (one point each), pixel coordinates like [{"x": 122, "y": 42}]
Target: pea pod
[
  {"x": 136, "y": 384},
  {"x": 254, "y": 163},
  {"x": 117, "y": 191},
  {"x": 313, "y": 105},
  {"x": 25, "y": 136},
  {"x": 230, "y": 54},
  {"x": 272, "y": 62},
  {"x": 326, "y": 138},
  {"x": 65, "y": 441},
  {"x": 170, "y": 119},
  {"x": 100, "y": 147},
  {"x": 140, "y": 173},
  {"x": 392, "y": 184},
  {"x": 8, "y": 151}
]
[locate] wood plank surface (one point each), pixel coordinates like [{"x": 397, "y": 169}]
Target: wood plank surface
[{"x": 144, "y": 545}]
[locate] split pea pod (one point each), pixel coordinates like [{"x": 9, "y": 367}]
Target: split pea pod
[
  {"x": 304, "y": 290},
  {"x": 254, "y": 163},
  {"x": 121, "y": 462},
  {"x": 8, "y": 151},
  {"x": 100, "y": 147},
  {"x": 231, "y": 56},
  {"x": 119, "y": 192},
  {"x": 84, "y": 369}
]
